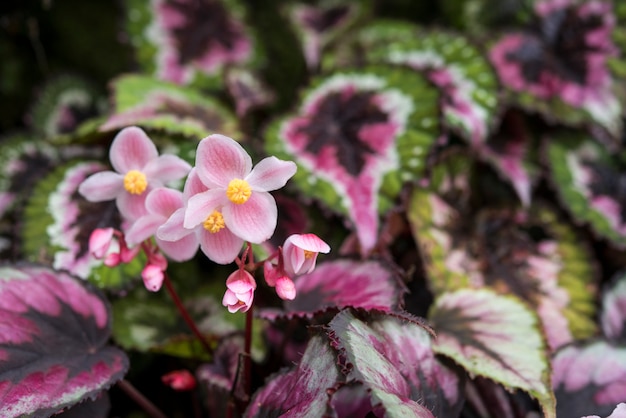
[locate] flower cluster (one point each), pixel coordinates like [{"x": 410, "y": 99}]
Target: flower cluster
[{"x": 225, "y": 203}]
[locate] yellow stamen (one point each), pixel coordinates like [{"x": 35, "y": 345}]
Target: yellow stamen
[
  {"x": 238, "y": 191},
  {"x": 214, "y": 223},
  {"x": 308, "y": 254},
  {"x": 135, "y": 182}
]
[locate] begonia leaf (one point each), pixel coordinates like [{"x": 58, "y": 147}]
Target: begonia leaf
[
  {"x": 247, "y": 90},
  {"x": 301, "y": 391},
  {"x": 558, "y": 67},
  {"x": 464, "y": 77},
  {"x": 98, "y": 408},
  {"x": 589, "y": 379},
  {"x": 393, "y": 357},
  {"x": 494, "y": 336},
  {"x": 64, "y": 107},
  {"x": 590, "y": 184},
  {"x": 613, "y": 319},
  {"x": 189, "y": 41},
  {"x": 162, "y": 106},
  {"x": 533, "y": 255},
  {"x": 53, "y": 336},
  {"x": 344, "y": 283},
  {"x": 58, "y": 222},
  {"x": 357, "y": 137}
]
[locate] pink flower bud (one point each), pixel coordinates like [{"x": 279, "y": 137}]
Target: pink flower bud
[
  {"x": 285, "y": 288},
  {"x": 152, "y": 276},
  {"x": 271, "y": 272},
  {"x": 180, "y": 380},
  {"x": 240, "y": 291},
  {"x": 300, "y": 253},
  {"x": 100, "y": 241},
  {"x": 112, "y": 259}
]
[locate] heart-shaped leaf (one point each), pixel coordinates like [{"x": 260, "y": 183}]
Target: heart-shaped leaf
[
  {"x": 53, "y": 331},
  {"x": 494, "y": 336},
  {"x": 301, "y": 391},
  {"x": 591, "y": 185},
  {"x": 344, "y": 283},
  {"x": 58, "y": 222},
  {"x": 590, "y": 379},
  {"x": 357, "y": 137},
  {"x": 393, "y": 357},
  {"x": 559, "y": 67},
  {"x": 186, "y": 41},
  {"x": 152, "y": 104}
]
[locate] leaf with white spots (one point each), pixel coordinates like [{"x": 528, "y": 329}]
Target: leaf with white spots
[
  {"x": 53, "y": 334},
  {"x": 494, "y": 336}
]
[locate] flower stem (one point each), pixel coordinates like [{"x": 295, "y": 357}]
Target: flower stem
[
  {"x": 183, "y": 311},
  {"x": 247, "y": 348},
  {"x": 132, "y": 392}
]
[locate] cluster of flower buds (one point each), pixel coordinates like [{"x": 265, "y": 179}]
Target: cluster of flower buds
[{"x": 225, "y": 203}]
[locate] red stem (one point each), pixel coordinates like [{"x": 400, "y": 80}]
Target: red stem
[
  {"x": 132, "y": 392},
  {"x": 181, "y": 308},
  {"x": 247, "y": 348}
]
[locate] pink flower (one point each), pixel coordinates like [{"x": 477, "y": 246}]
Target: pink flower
[
  {"x": 100, "y": 242},
  {"x": 180, "y": 380},
  {"x": 238, "y": 192},
  {"x": 217, "y": 242},
  {"x": 109, "y": 245},
  {"x": 240, "y": 291},
  {"x": 285, "y": 288},
  {"x": 153, "y": 277},
  {"x": 161, "y": 203},
  {"x": 300, "y": 253},
  {"x": 138, "y": 169}
]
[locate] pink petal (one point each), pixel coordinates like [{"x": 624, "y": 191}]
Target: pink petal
[
  {"x": 294, "y": 257},
  {"x": 285, "y": 288},
  {"x": 102, "y": 186},
  {"x": 193, "y": 185},
  {"x": 143, "y": 228},
  {"x": 240, "y": 281},
  {"x": 219, "y": 159},
  {"x": 202, "y": 205},
  {"x": 309, "y": 242},
  {"x": 164, "y": 201},
  {"x": 167, "y": 168},
  {"x": 253, "y": 221},
  {"x": 172, "y": 229},
  {"x": 132, "y": 206},
  {"x": 222, "y": 247},
  {"x": 131, "y": 150},
  {"x": 271, "y": 174},
  {"x": 229, "y": 298},
  {"x": 152, "y": 277},
  {"x": 181, "y": 250},
  {"x": 100, "y": 241}
]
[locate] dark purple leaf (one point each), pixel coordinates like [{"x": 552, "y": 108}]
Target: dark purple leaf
[
  {"x": 590, "y": 379},
  {"x": 53, "y": 331},
  {"x": 345, "y": 283},
  {"x": 300, "y": 392},
  {"x": 247, "y": 90},
  {"x": 393, "y": 358},
  {"x": 494, "y": 336},
  {"x": 98, "y": 408}
]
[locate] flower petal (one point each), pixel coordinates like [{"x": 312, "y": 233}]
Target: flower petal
[
  {"x": 219, "y": 159},
  {"x": 253, "y": 221},
  {"x": 181, "y": 250},
  {"x": 193, "y": 185},
  {"x": 143, "y": 228},
  {"x": 102, "y": 186},
  {"x": 202, "y": 205},
  {"x": 240, "y": 281},
  {"x": 131, "y": 150},
  {"x": 172, "y": 229},
  {"x": 221, "y": 247},
  {"x": 271, "y": 174},
  {"x": 132, "y": 206},
  {"x": 164, "y": 201},
  {"x": 166, "y": 168},
  {"x": 309, "y": 242}
]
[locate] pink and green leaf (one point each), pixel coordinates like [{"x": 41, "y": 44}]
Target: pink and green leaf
[
  {"x": 357, "y": 137},
  {"x": 497, "y": 337},
  {"x": 42, "y": 311},
  {"x": 303, "y": 390},
  {"x": 392, "y": 357},
  {"x": 589, "y": 379},
  {"x": 344, "y": 283},
  {"x": 589, "y": 183}
]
